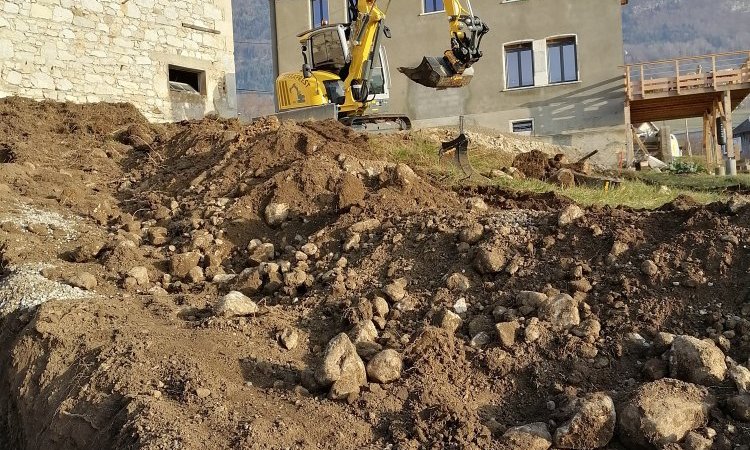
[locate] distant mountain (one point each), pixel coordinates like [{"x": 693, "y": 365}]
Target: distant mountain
[{"x": 660, "y": 29}]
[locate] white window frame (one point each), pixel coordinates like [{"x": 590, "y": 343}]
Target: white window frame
[
  {"x": 425, "y": 13},
  {"x": 505, "y": 66},
  {"x": 578, "y": 58},
  {"x": 515, "y": 121}
]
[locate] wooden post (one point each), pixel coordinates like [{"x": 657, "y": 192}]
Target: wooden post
[
  {"x": 629, "y": 151},
  {"x": 715, "y": 113},
  {"x": 628, "y": 83},
  {"x": 677, "y": 74},
  {"x": 707, "y": 150},
  {"x": 713, "y": 70},
  {"x": 643, "y": 84},
  {"x": 728, "y": 124}
]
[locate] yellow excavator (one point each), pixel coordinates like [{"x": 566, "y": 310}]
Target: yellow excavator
[{"x": 345, "y": 71}]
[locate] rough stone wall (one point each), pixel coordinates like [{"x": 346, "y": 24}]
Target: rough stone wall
[{"x": 119, "y": 51}]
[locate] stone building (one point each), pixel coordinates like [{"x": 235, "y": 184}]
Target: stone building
[
  {"x": 173, "y": 60},
  {"x": 551, "y": 68}
]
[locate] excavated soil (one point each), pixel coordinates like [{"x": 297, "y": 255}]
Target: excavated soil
[{"x": 128, "y": 361}]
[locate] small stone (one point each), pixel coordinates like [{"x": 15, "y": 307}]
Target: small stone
[
  {"x": 460, "y": 307},
  {"x": 203, "y": 392},
  {"x": 341, "y": 364},
  {"x": 570, "y": 214},
  {"x": 589, "y": 329},
  {"x": 385, "y": 367},
  {"x": 476, "y": 204},
  {"x": 276, "y": 213},
  {"x": 507, "y": 332},
  {"x": 310, "y": 249},
  {"x": 85, "y": 280},
  {"x": 480, "y": 340},
  {"x": 592, "y": 426},
  {"x": 380, "y": 307},
  {"x": 533, "y": 330},
  {"x": 235, "y": 304},
  {"x": 196, "y": 275},
  {"x": 582, "y": 285},
  {"x": 365, "y": 226},
  {"x": 352, "y": 242},
  {"x": 182, "y": 263},
  {"x": 535, "y": 436},
  {"x": 649, "y": 268},
  {"x": 288, "y": 337},
  {"x": 561, "y": 312},
  {"x": 87, "y": 252},
  {"x": 396, "y": 291},
  {"x": 157, "y": 236},
  {"x": 663, "y": 342},
  {"x": 739, "y": 374},
  {"x": 140, "y": 275},
  {"x": 471, "y": 234},
  {"x": 364, "y": 331},
  {"x": 458, "y": 282},
  {"x": 489, "y": 261},
  {"x": 261, "y": 253},
  {"x": 533, "y": 299},
  {"x": 448, "y": 320}
]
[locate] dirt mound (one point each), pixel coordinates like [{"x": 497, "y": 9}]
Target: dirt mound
[{"x": 184, "y": 294}]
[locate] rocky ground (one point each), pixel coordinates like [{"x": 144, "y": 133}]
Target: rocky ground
[{"x": 213, "y": 285}]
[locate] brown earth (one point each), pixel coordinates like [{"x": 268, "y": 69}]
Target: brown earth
[{"x": 150, "y": 365}]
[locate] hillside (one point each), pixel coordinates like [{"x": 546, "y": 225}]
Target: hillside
[{"x": 656, "y": 29}]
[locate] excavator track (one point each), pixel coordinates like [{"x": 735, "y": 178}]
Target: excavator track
[{"x": 378, "y": 123}]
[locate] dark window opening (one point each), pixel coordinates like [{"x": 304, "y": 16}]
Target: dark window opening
[
  {"x": 319, "y": 10},
  {"x": 563, "y": 60},
  {"x": 433, "y": 6},
  {"x": 525, "y": 127},
  {"x": 186, "y": 80},
  {"x": 519, "y": 65}
]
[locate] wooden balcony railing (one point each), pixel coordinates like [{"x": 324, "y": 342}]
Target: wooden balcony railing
[{"x": 693, "y": 75}]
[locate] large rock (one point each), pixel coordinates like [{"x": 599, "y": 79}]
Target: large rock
[
  {"x": 489, "y": 261},
  {"x": 534, "y": 436},
  {"x": 740, "y": 375},
  {"x": 182, "y": 263},
  {"x": 697, "y": 361},
  {"x": 561, "y": 312},
  {"x": 663, "y": 412},
  {"x": 235, "y": 304},
  {"x": 385, "y": 367},
  {"x": 592, "y": 426},
  {"x": 342, "y": 366}
]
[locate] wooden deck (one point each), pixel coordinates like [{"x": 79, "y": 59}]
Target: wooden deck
[{"x": 708, "y": 86}]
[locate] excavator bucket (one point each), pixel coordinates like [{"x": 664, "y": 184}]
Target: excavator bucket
[{"x": 437, "y": 73}]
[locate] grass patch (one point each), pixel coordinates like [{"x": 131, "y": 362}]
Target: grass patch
[
  {"x": 697, "y": 182},
  {"x": 642, "y": 191}
]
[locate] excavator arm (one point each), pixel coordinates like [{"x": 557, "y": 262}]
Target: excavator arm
[
  {"x": 451, "y": 70},
  {"x": 454, "y": 68}
]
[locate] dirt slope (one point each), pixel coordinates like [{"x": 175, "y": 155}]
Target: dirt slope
[{"x": 118, "y": 240}]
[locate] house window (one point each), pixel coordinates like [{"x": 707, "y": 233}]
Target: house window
[
  {"x": 524, "y": 127},
  {"x": 433, "y": 5},
  {"x": 319, "y": 12},
  {"x": 562, "y": 60},
  {"x": 519, "y": 65},
  {"x": 187, "y": 80}
]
